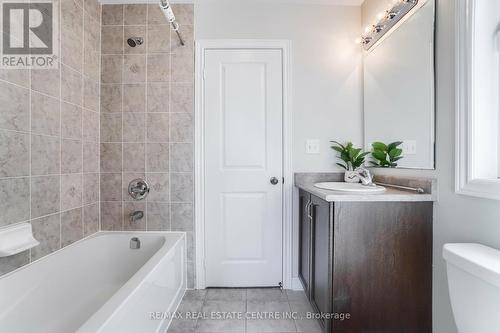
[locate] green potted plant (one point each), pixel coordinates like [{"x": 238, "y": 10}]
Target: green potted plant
[
  {"x": 386, "y": 156},
  {"x": 352, "y": 159}
]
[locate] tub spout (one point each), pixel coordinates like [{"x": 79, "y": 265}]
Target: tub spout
[
  {"x": 135, "y": 243},
  {"x": 136, "y": 216}
]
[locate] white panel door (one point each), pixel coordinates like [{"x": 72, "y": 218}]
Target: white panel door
[{"x": 243, "y": 92}]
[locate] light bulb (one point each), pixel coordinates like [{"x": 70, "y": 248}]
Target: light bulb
[
  {"x": 380, "y": 16},
  {"x": 392, "y": 14},
  {"x": 358, "y": 40},
  {"x": 368, "y": 29}
]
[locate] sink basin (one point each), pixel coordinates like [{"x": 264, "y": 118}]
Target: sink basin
[{"x": 350, "y": 187}]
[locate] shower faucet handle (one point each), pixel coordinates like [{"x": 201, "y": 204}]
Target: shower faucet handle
[{"x": 138, "y": 189}]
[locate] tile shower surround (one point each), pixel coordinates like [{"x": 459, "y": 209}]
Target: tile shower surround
[
  {"x": 147, "y": 120},
  {"x": 49, "y": 139}
]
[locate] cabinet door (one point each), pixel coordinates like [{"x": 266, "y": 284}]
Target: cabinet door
[
  {"x": 321, "y": 258},
  {"x": 304, "y": 241},
  {"x": 383, "y": 267}
]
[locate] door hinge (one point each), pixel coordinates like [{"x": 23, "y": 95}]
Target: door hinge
[
  {"x": 280, "y": 284},
  {"x": 204, "y": 74}
]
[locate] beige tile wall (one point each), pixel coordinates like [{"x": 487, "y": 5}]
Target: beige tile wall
[
  {"x": 147, "y": 120},
  {"x": 49, "y": 140}
]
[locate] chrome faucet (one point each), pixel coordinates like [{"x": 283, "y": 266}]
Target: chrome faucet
[
  {"x": 136, "y": 216},
  {"x": 365, "y": 176}
]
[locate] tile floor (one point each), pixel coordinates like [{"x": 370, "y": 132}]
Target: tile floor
[{"x": 248, "y": 303}]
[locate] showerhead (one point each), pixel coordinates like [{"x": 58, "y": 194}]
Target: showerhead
[{"x": 134, "y": 41}]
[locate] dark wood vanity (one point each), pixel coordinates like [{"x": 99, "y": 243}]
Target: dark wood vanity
[{"x": 367, "y": 265}]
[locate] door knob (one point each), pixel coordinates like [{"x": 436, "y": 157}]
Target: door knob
[{"x": 274, "y": 180}]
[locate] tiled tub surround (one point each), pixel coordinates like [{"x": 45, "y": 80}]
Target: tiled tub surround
[
  {"x": 147, "y": 120},
  {"x": 49, "y": 134}
]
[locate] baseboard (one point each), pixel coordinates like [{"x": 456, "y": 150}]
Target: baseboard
[{"x": 296, "y": 284}]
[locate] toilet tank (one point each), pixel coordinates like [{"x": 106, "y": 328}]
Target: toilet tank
[{"x": 474, "y": 285}]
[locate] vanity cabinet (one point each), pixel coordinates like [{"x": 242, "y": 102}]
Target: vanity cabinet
[
  {"x": 320, "y": 263},
  {"x": 305, "y": 240},
  {"x": 369, "y": 260},
  {"x": 315, "y": 267}
]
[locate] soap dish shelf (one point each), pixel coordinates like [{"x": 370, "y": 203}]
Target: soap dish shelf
[{"x": 16, "y": 239}]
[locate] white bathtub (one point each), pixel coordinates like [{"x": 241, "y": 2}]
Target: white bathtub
[{"x": 98, "y": 284}]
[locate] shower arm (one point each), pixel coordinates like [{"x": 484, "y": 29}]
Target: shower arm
[
  {"x": 175, "y": 27},
  {"x": 169, "y": 15}
]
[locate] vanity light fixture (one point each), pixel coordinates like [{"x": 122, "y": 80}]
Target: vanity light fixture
[{"x": 386, "y": 21}]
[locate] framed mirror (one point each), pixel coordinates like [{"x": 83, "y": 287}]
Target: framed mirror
[{"x": 399, "y": 87}]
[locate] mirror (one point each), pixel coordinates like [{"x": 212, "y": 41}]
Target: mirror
[{"x": 399, "y": 88}]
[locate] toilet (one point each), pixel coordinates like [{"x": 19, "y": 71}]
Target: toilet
[{"x": 474, "y": 286}]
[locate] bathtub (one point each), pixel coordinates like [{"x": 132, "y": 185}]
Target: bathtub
[{"x": 98, "y": 284}]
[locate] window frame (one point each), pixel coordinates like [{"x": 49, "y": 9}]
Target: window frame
[{"x": 465, "y": 183}]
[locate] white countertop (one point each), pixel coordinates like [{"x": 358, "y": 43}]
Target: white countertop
[{"x": 391, "y": 194}]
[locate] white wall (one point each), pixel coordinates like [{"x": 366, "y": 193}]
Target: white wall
[{"x": 326, "y": 78}]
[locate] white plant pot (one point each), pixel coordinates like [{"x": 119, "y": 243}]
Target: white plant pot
[{"x": 351, "y": 177}]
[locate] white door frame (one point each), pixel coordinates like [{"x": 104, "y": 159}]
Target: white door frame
[{"x": 199, "y": 165}]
